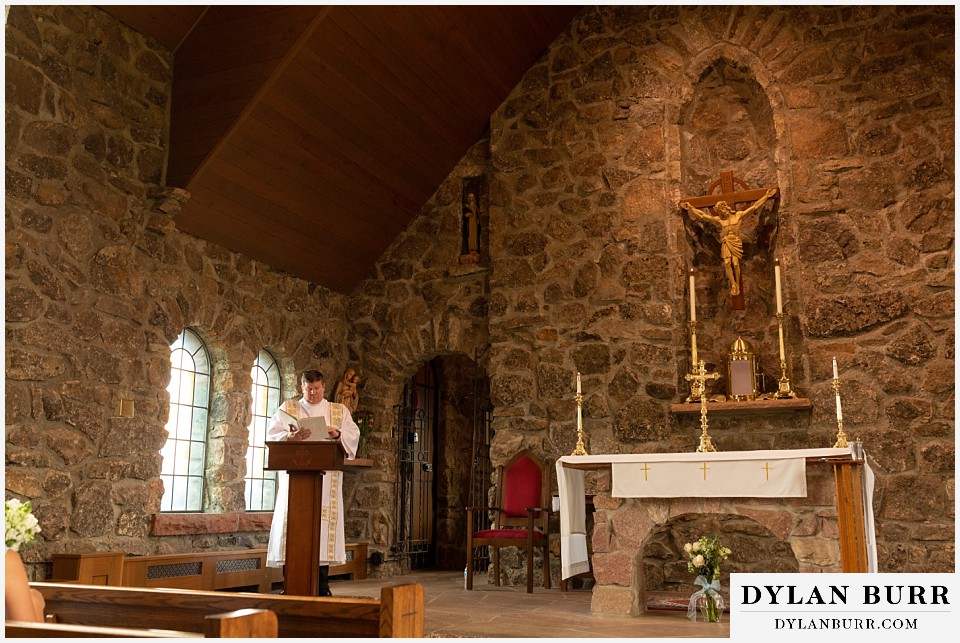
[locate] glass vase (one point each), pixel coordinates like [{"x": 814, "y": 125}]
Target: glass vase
[{"x": 711, "y": 609}]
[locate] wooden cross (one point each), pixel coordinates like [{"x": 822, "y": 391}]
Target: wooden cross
[{"x": 729, "y": 222}]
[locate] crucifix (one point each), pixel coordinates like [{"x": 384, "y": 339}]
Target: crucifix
[
  {"x": 699, "y": 378},
  {"x": 728, "y": 220}
]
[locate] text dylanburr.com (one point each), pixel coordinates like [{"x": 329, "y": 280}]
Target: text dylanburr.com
[{"x": 857, "y": 607}]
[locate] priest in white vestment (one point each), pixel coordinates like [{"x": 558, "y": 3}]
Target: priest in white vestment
[{"x": 340, "y": 425}]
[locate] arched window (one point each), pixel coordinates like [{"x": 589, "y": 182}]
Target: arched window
[
  {"x": 184, "y": 454},
  {"x": 261, "y": 486}
]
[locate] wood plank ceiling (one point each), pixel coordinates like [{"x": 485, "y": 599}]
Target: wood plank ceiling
[{"x": 310, "y": 136}]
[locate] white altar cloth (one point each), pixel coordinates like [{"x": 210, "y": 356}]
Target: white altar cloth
[{"x": 687, "y": 472}]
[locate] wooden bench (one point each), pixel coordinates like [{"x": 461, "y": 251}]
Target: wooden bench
[
  {"x": 247, "y": 623},
  {"x": 25, "y": 630},
  {"x": 398, "y": 613},
  {"x": 212, "y": 570}
]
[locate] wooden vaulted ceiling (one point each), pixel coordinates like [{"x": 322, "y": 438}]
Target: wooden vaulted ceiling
[{"x": 309, "y": 136}]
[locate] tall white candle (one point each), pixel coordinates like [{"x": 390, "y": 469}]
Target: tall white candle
[
  {"x": 776, "y": 275},
  {"x": 835, "y": 378},
  {"x": 693, "y": 297},
  {"x": 578, "y": 383}
]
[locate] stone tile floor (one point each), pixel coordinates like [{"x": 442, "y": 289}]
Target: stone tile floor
[{"x": 507, "y": 612}]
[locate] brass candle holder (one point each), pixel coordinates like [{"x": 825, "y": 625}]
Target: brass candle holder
[
  {"x": 696, "y": 386},
  {"x": 580, "y": 449},
  {"x": 783, "y": 389},
  {"x": 699, "y": 378},
  {"x": 841, "y": 442}
]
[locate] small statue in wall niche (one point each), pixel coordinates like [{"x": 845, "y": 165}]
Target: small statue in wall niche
[
  {"x": 470, "y": 221},
  {"x": 731, "y": 246},
  {"x": 346, "y": 392}
]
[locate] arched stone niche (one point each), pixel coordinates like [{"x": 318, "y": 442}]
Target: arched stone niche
[
  {"x": 727, "y": 124},
  {"x": 767, "y": 535},
  {"x": 663, "y": 562},
  {"x": 728, "y": 121}
]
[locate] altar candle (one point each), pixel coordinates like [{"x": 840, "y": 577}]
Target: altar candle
[
  {"x": 776, "y": 274},
  {"x": 836, "y": 377},
  {"x": 578, "y": 383},
  {"x": 693, "y": 297}
]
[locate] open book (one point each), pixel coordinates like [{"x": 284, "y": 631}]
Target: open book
[{"x": 314, "y": 427}]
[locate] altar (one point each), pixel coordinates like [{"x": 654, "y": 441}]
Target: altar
[{"x": 674, "y": 483}]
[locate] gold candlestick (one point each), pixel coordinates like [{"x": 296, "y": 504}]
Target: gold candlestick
[
  {"x": 783, "y": 390},
  {"x": 580, "y": 449},
  {"x": 696, "y": 386},
  {"x": 841, "y": 442},
  {"x": 700, "y": 375}
]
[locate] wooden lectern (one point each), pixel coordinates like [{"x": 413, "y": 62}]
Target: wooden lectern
[{"x": 306, "y": 463}]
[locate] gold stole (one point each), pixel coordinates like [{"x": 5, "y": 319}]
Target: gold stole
[{"x": 333, "y": 516}]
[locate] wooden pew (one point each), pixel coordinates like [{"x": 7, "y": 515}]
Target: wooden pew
[
  {"x": 246, "y": 623},
  {"x": 397, "y": 614},
  {"x": 25, "y": 630}
]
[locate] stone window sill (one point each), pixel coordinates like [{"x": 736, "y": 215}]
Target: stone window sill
[{"x": 175, "y": 524}]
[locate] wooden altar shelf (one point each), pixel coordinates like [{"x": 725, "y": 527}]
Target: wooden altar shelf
[
  {"x": 749, "y": 407},
  {"x": 358, "y": 462}
]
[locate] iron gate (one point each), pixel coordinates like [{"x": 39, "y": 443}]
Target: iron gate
[
  {"x": 416, "y": 419},
  {"x": 480, "y": 468}
]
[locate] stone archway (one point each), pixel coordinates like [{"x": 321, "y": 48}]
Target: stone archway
[{"x": 662, "y": 562}]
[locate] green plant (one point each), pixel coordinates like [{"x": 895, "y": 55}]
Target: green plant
[{"x": 364, "y": 420}]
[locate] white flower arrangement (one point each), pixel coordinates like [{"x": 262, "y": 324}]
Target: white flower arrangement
[
  {"x": 20, "y": 524},
  {"x": 705, "y": 556}
]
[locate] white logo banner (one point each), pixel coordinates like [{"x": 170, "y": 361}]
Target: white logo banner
[{"x": 847, "y": 607}]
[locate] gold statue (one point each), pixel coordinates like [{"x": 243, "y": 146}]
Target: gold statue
[
  {"x": 346, "y": 392},
  {"x": 731, "y": 246}
]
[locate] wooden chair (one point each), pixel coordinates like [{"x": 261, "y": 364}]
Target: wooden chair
[{"x": 521, "y": 520}]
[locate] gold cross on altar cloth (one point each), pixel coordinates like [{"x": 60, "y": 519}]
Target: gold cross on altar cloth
[
  {"x": 767, "y": 467},
  {"x": 645, "y": 470},
  {"x": 705, "y": 469}
]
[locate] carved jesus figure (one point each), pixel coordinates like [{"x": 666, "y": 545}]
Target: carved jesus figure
[{"x": 731, "y": 246}]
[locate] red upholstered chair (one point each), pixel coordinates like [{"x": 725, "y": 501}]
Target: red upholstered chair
[{"x": 521, "y": 519}]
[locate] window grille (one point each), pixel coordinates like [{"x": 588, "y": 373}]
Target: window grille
[
  {"x": 184, "y": 454},
  {"x": 261, "y": 486}
]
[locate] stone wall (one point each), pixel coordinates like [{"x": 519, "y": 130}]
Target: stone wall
[
  {"x": 847, "y": 110},
  {"x": 99, "y": 283}
]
